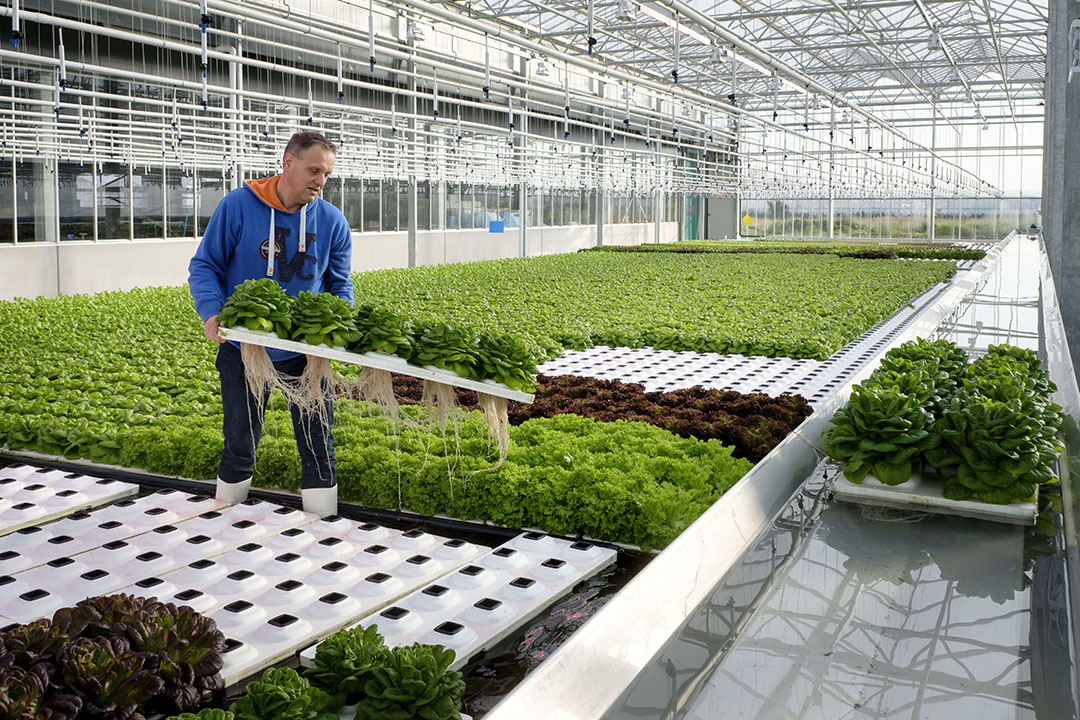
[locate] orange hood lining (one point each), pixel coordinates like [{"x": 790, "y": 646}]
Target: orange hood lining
[{"x": 266, "y": 190}]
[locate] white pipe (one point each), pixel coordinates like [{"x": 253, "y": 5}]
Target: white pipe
[
  {"x": 16, "y": 24},
  {"x": 340, "y": 77},
  {"x": 371, "y": 34},
  {"x": 435, "y": 95},
  {"x": 63, "y": 59}
]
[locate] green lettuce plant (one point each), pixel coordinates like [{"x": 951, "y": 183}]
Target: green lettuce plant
[
  {"x": 880, "y": 431},
  {"x": 413, "y": 682},
  {"x": 205, "y": 714},
  {"x": 506, "y": 360},
  {"x": 282, "y": 695},
  {"x": 447, "y": 347},
  {"x": 345, "y": 662},
  {"x": 322, "y": 319},
  {"x": 382, "y": 330},
  {"x": 258, "y": 305}
]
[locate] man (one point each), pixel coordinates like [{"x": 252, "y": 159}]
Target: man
[{"x": 312, "y": 250}]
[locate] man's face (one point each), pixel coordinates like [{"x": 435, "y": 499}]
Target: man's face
[{"x": 306, "y": 172}]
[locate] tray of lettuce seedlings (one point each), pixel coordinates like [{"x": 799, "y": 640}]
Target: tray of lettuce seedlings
[
  {"x": 929, "y": 430},
  {"x": 322, "y": 325}
]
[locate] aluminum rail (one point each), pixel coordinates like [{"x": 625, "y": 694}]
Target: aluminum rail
[{"x": 587, "y": 675}]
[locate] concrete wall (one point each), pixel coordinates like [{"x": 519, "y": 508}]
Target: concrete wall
[{"x": 73, "y": 268}]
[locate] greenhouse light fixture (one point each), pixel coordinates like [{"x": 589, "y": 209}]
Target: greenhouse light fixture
[
  {"x": 625, "y": 11},
  {"x": 934, "y": 43},
  {"x": 658, "y": 14}
]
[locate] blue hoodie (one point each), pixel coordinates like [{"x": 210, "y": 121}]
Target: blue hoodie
[{"x": 234, "y": 249}]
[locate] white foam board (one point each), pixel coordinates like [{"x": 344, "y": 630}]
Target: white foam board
[{"x": 924, "y": 495}]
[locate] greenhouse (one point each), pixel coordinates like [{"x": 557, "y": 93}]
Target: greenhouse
[{"x": 511, "y": 359}]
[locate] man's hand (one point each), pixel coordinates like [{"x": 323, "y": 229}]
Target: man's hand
[{"x": 210, "y": 329}]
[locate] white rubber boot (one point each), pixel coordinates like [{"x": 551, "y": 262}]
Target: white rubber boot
[
  {"x": 320, "y": 501},
  {"x": 232, "y": 492}
]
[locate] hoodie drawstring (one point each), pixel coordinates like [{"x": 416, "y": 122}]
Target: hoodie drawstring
[
  {"x": 271, "y": 250},
  {"x": 271, "y": 247}
]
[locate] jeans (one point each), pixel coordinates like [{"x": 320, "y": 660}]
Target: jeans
[{"x": 243, "y": 423}]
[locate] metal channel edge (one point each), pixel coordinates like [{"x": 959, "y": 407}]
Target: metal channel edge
[
  {"x": 616, "y": 644},
  {"x": 1058, "y": 361}
]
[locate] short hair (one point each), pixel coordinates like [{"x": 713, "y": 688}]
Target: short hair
[{"x": 301, "y": 141}]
